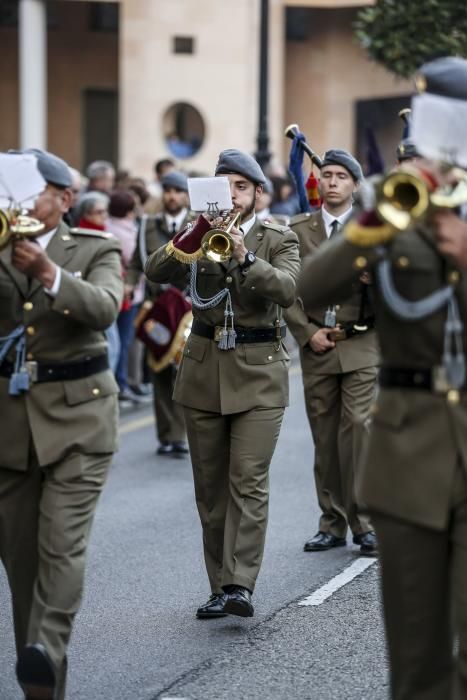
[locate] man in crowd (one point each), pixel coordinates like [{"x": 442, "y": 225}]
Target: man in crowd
[
  {"x": 339, "y": 358},
  {"x": 101, "y": 177},
  {"x": 414, "y": 480},
  {"x": 233, "y": 380},
  {"x": 58, "y": 294},
  {"x": 155, "y": 232},
  {"x": 162, "y": 167}
]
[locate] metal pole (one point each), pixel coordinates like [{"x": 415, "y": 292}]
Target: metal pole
[
  {"x": 33, "y": 73},
  {"x": 262, "y": 154}
]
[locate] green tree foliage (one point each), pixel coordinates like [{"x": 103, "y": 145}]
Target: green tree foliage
[{"x": 404, "y": 34}]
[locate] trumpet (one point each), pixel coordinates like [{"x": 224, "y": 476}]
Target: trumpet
[
  {"x": 291, "y": 131},
  {"x": 15, "y": 223},
  {"x": 217, "y": 244},
  {"x": 411, "y": 194}
]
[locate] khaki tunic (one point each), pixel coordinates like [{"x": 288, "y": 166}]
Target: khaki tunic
[
  {"x": 234, "y": 400},
  {"x": 339, "y": 389},
  {"x": 413, "y": 479},
  {"x": 61, "y": 435}
]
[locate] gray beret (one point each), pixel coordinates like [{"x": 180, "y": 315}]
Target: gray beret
[
  {"x": 53, "y": 169},
  {"x": 337, "y": 156},
  {"x": 234, "y": 161},
  {"x": 407, "y": 149},
  {"x": 444, "y": 76},
  {"x": 175, "y": 179}
]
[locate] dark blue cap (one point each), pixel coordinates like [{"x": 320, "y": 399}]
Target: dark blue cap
[{"x": 175, "y": 179}]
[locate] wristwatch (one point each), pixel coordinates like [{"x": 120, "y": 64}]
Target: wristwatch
[{"x": 250, "y": 258}]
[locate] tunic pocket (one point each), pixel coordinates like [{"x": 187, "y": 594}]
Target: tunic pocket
[
  {"x": 91, "y": 388},
  {"x": 194, "y": 349}
]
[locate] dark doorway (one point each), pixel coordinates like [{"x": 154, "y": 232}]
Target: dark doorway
[{"x": 100, "y": 127}]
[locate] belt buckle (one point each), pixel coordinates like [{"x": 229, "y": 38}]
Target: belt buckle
[
  {"x": 337, "y": 334},
  {"x": 440, "y": 382},
  {"x": 31, "y": 369},
  {"x": 218, "y": 333}
]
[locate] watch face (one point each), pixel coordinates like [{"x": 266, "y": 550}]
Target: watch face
[{"x": 251, "y": 257}]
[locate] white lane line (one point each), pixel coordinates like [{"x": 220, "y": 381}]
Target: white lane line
[{"x": 326, "y": 591}]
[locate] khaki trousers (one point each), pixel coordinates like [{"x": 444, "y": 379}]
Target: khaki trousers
[
  {"x": 230, "y": 457},
  {"x": 170, "y": 424},
  {"x": 337, "y": 406},
  {"x": 45, "y": 521},
  {"x": 424, "y": 581}
]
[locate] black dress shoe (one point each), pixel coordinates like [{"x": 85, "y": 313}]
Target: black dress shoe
[
  {"x": 239, "y": 602},
  {"x": 165, "y": 448},
  {"x": 35, "y": 673},
  {"x": 180, "y": 448},
  {"x": 213, "y": 608},
  {"x": 322, "y": 541},
  {"x": 368, "y": 544}
]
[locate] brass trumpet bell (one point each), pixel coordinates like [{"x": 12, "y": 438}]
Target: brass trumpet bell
[
  {"x": 403, "y": 197},
  {"x": 14, "y": 223},
  {"x": 217, "y": 244}
]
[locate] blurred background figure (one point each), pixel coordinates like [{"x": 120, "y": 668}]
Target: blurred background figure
[
  {"x": 263, "y": 204},
  {"x": 122, "y": 224},
  {"x": 92, "y": 210},
  {"x": 285, "y": 201},
  {"x": 161, "y": 167},
  {"x": 101, "y": 176}
]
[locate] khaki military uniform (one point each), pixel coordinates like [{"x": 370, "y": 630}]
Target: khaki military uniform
[
  {"x": 339, "y": 388},
  {"x": 58, "y": 438},
  {"x": 414, "y": 478},
  {"x": 170, "y": 424},
  {"x": 234, "y": 400}
]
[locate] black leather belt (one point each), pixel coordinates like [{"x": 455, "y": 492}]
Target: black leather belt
[
  {"x": 349, "y": 329},
  {"x": 59, "y": 372},
  {"x": 244, "y": 335},
  {"x": 429, "y": 379}
]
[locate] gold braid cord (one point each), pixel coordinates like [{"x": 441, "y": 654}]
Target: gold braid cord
[
  {"x": 368, "y": 236},
  {"x": 182, "y": 257}
]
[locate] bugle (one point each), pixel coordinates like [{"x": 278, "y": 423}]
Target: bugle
[{"x": 15, "y": 223}]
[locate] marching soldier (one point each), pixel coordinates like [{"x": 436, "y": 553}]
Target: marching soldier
[
  {"x": 233, "y": 380},
  {"x": 414, "y": 480},
  {"x": 339, "y": 358},
  {"x": 58, "y": 294},
  {"x": 155, "y": 232}
]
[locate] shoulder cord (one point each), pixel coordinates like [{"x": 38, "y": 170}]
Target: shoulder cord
[
  {"x": 453, "y": 353},
  {"x": 19, "y": 380},
  {"x": 228, "y": 333}
]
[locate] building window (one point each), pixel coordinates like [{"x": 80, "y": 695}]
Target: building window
[
  {"x": 103, "y": 17},
  {"x": 183, "y": 44},
  {"x": 184, "y": 130},
  {"x": 9, "y": 13}
]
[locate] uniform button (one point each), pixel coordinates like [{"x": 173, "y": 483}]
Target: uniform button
[
  {"x": 203, "y": 269},
  {"x": 253, "y": 288},
  {"x": 374, "y": 409},
  {"x": 403, "y": 262},
  {"x": 360, "y": 262},
  {"x": 30, "y": 330},
  {"x": 66, "y": 237},
  {"x": 269, "y": 357},
  {"x": 454, "y": 277},
  {"x": 66, "y": 312},
  {"x": 27, "y": 306},
  {"x": 29, "y": 356},
  {"x": 337, "y": 307},
  {"x": 96, "y": 391},
  {"x": 453, "y": 396},
  {"x": 228, "y": 279}
]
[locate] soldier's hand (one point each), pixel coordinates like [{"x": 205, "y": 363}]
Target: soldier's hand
[
  {"x": 28, "y": 257},
  {"x": 451, "y": 237},
  {"x": 320, "y": 343},
  {"x": 239, "y": 250}
]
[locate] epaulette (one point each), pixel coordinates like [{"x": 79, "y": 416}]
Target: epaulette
[
  {"x": 275, "y": 227},
  {"x": 91, "y": 232},
  {"x": 299, "y": 218}
]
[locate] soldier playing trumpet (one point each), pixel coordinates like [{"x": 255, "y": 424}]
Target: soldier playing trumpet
[{"x": 233, "y": 379}]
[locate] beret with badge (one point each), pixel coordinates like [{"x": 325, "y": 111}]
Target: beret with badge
[
  {"x": 234, "y": 161},
  {"x": 337, "y": 156}
]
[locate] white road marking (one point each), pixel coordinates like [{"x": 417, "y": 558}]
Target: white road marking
[{"x": 326, "y": 591}]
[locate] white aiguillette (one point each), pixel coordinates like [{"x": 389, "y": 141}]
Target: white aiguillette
[{"x": 209, "y": 194}]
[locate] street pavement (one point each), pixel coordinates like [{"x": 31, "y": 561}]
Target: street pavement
[{"x": 136, "y": 636}]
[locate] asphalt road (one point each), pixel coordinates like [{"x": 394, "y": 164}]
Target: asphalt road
[{"x": 136, "y": 637}]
